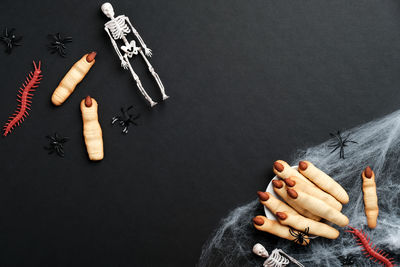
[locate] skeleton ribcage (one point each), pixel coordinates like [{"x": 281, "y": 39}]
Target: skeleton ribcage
[{"x": 118, "y": 27}]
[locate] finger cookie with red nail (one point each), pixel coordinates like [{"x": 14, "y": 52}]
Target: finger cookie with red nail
[
  {"x": 298, "y": 184},
  {"x": 274, "y": 204},
  {"x": 73, "y": 77},
  {"x": 91, "y": 129},
  {"x": 323, "y": 181},
  {"x": 264, "y": 224},
  {"x": 370, "y": 197},
  {"x": 283, "y": 170},
  {"x": 300, "y": 223},
  {"x": 317, "y": 207},
  {"x": 280, "y": 190}
]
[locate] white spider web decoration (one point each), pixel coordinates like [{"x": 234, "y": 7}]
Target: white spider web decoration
[{"x": 378, "y": 145}]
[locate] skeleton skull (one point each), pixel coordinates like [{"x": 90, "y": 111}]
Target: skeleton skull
[
  {"x": 108, "y": 10},
  {"x": 259, "y": 250}
]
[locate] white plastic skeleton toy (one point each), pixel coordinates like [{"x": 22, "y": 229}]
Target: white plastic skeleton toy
[
  {"x": 275, "y": 259},
  {"x": 117, "y": 29}
]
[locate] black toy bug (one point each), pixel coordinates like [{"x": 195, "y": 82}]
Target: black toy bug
[
  {"x": 347, "y": 260},
  {"x": 340, "y": 142},
  {"x": 300, "y": 237},
  {"x": 56, "y": 144},
  {"x": 125, "y": 119},
  {"x": 10, "y": 39},
  {"x": 58, "y": 44}
]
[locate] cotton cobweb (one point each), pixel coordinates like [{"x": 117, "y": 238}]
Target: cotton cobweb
[{"x": 378, "y": 145}]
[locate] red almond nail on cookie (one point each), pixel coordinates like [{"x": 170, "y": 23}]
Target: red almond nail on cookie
[
  {"x": 277, "y": 183},
  {"x": 368, "y": 172},
  {"x": 278, "y": 166},
  {"x": 88, "y": 101},
  {"x": 289, "y": 182},
  {"x": 303, "y": 165},
  {"x": 292, "y": 193},
  {"x": 258, "y": 220},
  {"x": 263, "y": 195},
  {"x": 281, "y": 215},
  {"x": 91, "y": 56}
]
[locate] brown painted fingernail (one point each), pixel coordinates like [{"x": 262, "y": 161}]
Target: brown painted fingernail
[
  {"x": 303, "y": 165},
  {"x": 368, "y": 172},
  {"x": 278, "y": 166},
  {"x": 281, "y": 215},
  {"x": 88, "y": 101},
  {"x": 289, "y": 182},
  {"x": 277, "y": 183},
  {"x": 292, "y": 193},
  {"x": 263, "y": 196},
  {"x": 258, "y": 220},
  {"x": 91, "y": 56}
]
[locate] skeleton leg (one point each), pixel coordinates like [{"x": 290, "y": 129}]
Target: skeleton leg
[
  {"x": 155, "y": 75},
  {"x": 139, "y": 84}
]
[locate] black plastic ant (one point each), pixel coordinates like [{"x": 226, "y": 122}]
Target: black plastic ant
[
  {"x": 300, "y": 237},
  {"x": 125, "y": 119}
]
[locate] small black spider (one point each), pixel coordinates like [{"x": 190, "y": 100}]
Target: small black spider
[
  {"x": 125, "y": 119},
  {"x": 300, "y": 237},
  {"x": 10, "y": 39},
  {"x": 346, "y": 260},
  {"x": 339, "y": 142},
  {"x": 58, "y": 44},
  {"x": 56, "y": 144}
]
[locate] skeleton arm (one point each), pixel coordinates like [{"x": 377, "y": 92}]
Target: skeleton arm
[
  {"x": 124, "y": 64},
  {"x": 147, "y": 50}
]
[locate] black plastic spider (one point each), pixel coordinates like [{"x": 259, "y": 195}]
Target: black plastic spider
[
  {"x": 300, "y": 237},
  {"x": 340, "y": 142},
  {"x": 10, "y": 39},
  {"x": 58, "y": 44},
  {"x": 346, "y": 260},
  {"x": 56, "y": 144},
  {"x": 125, "y": 119}
]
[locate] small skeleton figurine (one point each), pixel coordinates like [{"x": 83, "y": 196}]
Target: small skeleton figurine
[
  {"x": 118, "y": 28},
  {"x": 275, "y": 259}
]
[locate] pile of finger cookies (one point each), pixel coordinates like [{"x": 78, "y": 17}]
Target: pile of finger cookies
[{"x": 311, "y": 200}]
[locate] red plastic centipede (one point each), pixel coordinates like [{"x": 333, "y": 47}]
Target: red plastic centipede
[
  {"x": 369, "y": 249},
  {"x": 24, "y": 98}
]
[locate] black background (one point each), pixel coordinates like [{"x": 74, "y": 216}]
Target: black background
[{"x": 250, "y": 82}]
